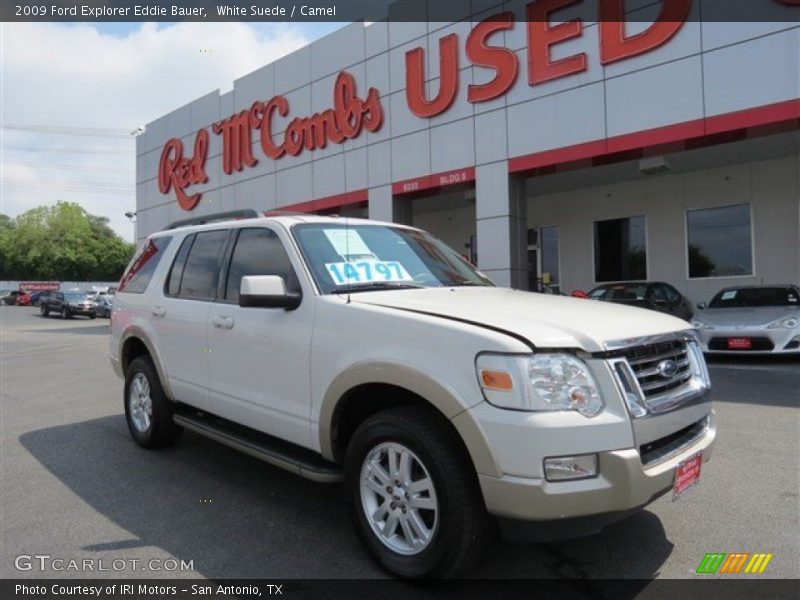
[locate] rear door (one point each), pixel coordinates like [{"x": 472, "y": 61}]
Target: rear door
[
  {"x": 180, "y": 314},
  {"x": 259, "y": 357}
]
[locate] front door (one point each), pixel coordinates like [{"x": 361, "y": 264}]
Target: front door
[{"x": 259, "y": 357}]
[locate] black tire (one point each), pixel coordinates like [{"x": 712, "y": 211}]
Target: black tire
[
  {"x": 92, "y": 316},
  {"x": 45, "y": 311},
  {"x": 463, "y": 523},
  {"x": 162, "y": 430}
]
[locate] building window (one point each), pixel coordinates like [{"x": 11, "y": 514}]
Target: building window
[
  {"x": 719, "y": 241},
  {"x": 620, "y": 250}
]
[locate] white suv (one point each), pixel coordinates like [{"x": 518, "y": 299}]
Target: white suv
[{"x": 368, "y": 352}]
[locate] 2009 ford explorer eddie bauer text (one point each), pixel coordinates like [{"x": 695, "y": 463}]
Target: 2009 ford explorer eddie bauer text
[{"x": 372, "y": 353}]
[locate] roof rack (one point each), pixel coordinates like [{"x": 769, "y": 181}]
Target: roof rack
[
  {"x": 287, "y": 213},
  {"x": 246, "y": 213}
]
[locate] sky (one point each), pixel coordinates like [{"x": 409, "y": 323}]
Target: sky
[{"x": 71, "y": 94}]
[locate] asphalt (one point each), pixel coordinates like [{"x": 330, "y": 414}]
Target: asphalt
[{"x": 74, "y": 485}]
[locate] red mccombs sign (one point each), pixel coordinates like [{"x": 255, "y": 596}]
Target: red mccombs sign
[{"x": 350, "y": 114}]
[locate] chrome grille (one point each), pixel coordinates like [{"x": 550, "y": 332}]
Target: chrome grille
[{"x": 659, "y": 367}]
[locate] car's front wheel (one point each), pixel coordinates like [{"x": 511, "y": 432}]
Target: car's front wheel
[
  {"x": 147, "y": 409},
  {"x": 415, "y": 498}
]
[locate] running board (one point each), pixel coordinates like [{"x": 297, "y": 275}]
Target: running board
[{"x": 277, "y": 452}]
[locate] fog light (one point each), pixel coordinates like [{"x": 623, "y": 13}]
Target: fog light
[{"x": 562, "y": 468}]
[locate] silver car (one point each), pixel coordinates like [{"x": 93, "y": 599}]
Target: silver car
[{"x": 751, "y": 320}]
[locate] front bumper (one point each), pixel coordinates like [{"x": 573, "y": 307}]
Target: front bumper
[
  {"x": 764, "y": 341},
  {"x": 622, "y": 485}
]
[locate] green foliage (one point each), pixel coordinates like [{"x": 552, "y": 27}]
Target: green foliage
[{"x": 61, "y": 243}]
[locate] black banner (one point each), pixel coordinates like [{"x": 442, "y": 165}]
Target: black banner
[
  {"x": 732, "y": 588},
  {"x": 787, "y": 11}
]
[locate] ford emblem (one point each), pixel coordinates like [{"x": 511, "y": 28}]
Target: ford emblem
[{"x": 667, "y": 368}]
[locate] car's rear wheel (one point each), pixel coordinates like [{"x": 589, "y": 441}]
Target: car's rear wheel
[
  {"x": 147, "y": 409},
  {"x": 415, "y": 499},
  {"x": 44, "y": 310}
]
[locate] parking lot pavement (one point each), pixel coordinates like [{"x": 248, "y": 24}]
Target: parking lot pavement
[{"x": 74, "y": 485}]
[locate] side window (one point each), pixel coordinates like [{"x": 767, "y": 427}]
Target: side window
[
  {"x": 143, "y": 265},
  {"x": 672, "y": 294},
  {"x": 657, "y": 293},
  {"x": 201, "y": 271},
  {"x": 258, "y": 251},
  {"x": 173, "y": 285}
]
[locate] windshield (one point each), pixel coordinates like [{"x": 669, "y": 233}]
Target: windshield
[
  {"x": 74, "y": 297},
  {"x": 625, "y": 292},
  {"x": 367, "y": 257},
  {"x": 754, "y": 297}
]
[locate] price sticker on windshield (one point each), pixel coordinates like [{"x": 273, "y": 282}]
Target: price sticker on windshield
[{"x": 367, "y": 271}]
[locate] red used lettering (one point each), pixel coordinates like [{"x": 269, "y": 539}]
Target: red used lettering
[
  {"x": 542, "y": 35},
  {"x": 448, "y": 79},
  {"x": 175, "y": 171},
  {"x": 502, "y": 60},
  {"x": 614, "y": 45}
]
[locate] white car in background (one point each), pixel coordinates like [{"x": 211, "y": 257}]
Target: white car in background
[{"x": 751, "y": 320}]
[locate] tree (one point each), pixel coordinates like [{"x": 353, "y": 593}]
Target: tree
[{"x": 61, "y": 242}]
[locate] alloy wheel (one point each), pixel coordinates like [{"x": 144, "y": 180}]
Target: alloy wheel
[
  {"x": 140, "y": 403},
  {"x": 398, "y": 498}
]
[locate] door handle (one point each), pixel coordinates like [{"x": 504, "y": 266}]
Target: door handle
[
  {"x": 222, "y": 322},
  {"x": 159, "y": 311}
]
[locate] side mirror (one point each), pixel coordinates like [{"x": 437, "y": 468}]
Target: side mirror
[
  {"x": 701, "y": 305},
  {"x": 266, "y": 291}
]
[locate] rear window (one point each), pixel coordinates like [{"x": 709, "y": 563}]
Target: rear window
[
  {"x": 620, "y": 293},
  {"x": 140, "y": 270},
  {"x": 755, "y": 297}
]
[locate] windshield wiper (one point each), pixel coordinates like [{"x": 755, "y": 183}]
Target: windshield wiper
[
  {"x": 368, "y": 286},
  {"x": 468, "y": 283}
]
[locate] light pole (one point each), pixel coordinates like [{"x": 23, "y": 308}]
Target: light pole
[{"x": 132, "y": 218}]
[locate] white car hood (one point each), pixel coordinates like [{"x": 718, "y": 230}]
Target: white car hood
[{"x": 546, "y": 321}]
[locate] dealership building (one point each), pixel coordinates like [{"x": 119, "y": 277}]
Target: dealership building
[{"x": 550, "y": 147}]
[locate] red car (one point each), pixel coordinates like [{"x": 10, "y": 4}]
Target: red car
[{"x": 24, "y": 299}]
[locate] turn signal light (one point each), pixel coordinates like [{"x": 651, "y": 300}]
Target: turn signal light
[{"x": 497, "y": 380}]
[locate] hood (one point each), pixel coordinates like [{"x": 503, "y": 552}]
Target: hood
[
  {"x": 750, "y": 317},
  {"x": 546, "y": 321}
]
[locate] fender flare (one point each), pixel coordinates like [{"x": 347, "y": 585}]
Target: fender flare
[
  {"x": 134, "y": 331},
  {"x": 439, "y": 395}
]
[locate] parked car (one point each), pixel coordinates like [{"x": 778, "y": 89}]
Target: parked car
[
  {"x": 67, "y": 305},
  {"x": 373, "y": 354},
  {"x": 751, "y": 320},
  {"x": 9, "y": 297},
  {"x": 24, "y": 299},
  {"x": 96, "y": 294},
  {"x": 36, "y": 297},
  {"x": 103, "y": 305},
  {"x": 654, "y": 295}
]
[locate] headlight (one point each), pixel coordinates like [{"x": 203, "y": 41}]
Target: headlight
[
  {"x": 701, "y": 325},
  {"x": 539, "y": 382},
  {"x": 789, "y": 323}
]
